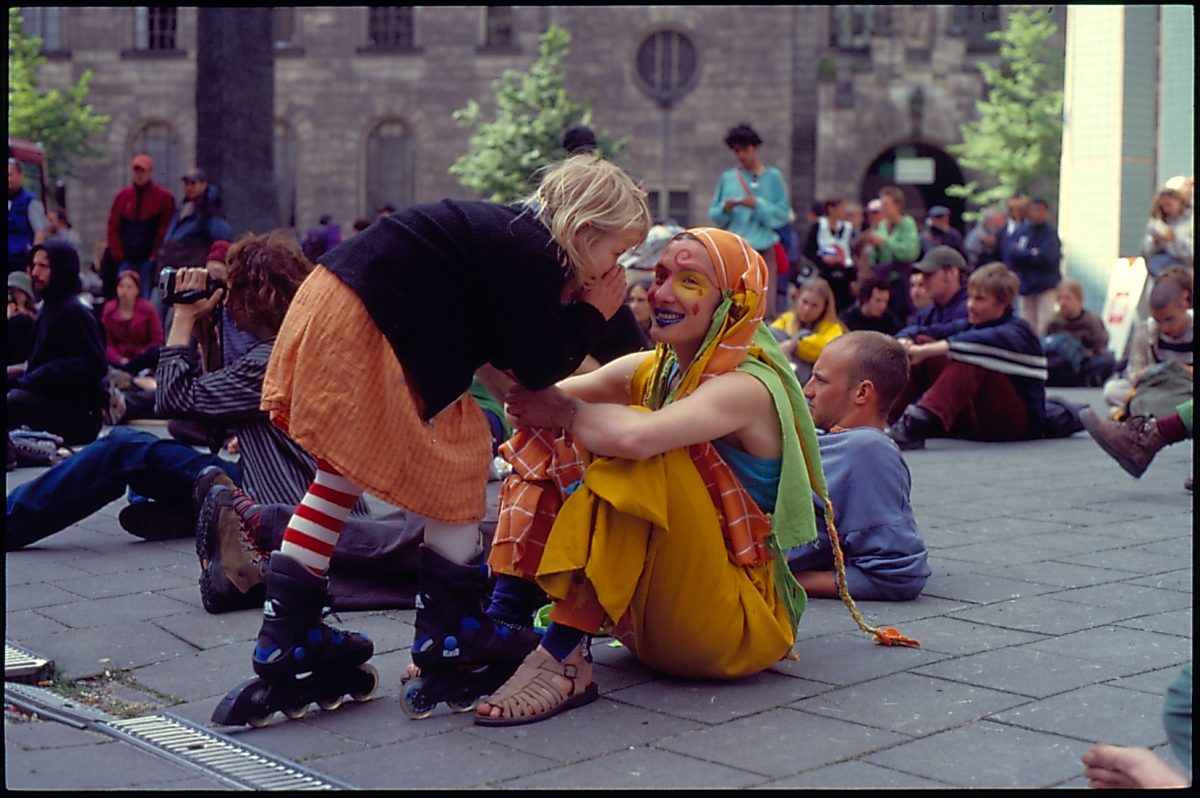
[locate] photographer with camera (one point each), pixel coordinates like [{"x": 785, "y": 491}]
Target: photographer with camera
[{"x": 264, "y": 273}]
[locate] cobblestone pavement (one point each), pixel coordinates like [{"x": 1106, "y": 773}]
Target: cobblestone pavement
[{"x": 1059, "y": 610}]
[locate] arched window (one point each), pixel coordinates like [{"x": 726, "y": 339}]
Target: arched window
[
  {"x": 285, "y": 172},
  {"x": 160, "y": 141},
  {"x": 389, "y": 166}
]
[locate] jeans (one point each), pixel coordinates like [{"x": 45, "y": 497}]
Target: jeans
[{"x": 161, "y": 470}]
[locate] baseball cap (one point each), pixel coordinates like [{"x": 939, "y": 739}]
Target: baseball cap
[
  {"x": 875, "y": 205},
  {"x": 937, "y": 211},
  {"x": 196, "y": 173},
  {"x": 143, "y": 161},
  {"x": 941, "y": 258}
]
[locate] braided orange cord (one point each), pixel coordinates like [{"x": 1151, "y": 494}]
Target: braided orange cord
[{"x": 886, "y": 636}]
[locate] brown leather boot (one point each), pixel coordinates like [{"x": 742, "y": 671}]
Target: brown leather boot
[
  {"x": 233, "y": 567},
  {"x": 1132, "y": 442}
]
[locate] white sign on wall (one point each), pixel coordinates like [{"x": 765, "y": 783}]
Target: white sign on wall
[
  {"x": 915, "y": 171},
  {"x": 1125, "y": 287}
]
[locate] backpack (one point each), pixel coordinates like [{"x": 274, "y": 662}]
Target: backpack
[{"x": 1064, "y": 359}]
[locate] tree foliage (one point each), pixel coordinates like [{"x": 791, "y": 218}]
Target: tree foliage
[
  {"x": 60, "y": 119},
  {"x": 532, "y": 111},
  {"x": 1016, "y": 143}
]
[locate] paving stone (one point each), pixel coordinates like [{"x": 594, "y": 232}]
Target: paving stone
[
  {"x": 970, "y": 587},
  {"x": 638, "y": 768},
  {"x": 717, "y": 702},
  {"x": 144, "y": 580},
  {"x": 855, "y": 775},
  {"x": 987, "y": 755},
  {"x": 1129, "y": 559},
  {"x": 1132, "y": 649},
  {"x": 603, "y": 727},
  {"x": 24, "y": 624},
  {"x": 1175, "y": 580},
  {"x": 1045, "y": 615},
  {"x": 116, "y": 611},
  {"x": 959, "y": 637},
  {"x": 1023, "y": 670},
  {"x": 1178, "y": 623},
  {"x": 80, "y": 653},
  {"x": 852, "y": 658},
  {"x": 909, "y": 704},
  {"x": 1153, "y": 682},
  {"x": 32, "y": 596},
  {"x": 1095, "y": 713},
  {"x": 1058, "y": 571},
  {"x": 203, "y": 630},
  {"x": 202, "y": 674},
  {"x": 1139, "y": 598},
  {"x": 773, "y": 743},
  {"x": 40, "y": 734},
  {"x": 453, "y": 759},
  {"x": 34, "y": 566},
  {"x": 107, "y": 764},
  {"x": 1076, "y": 516}
]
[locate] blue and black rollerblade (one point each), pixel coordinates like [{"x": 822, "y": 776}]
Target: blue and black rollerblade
[
  {"x": 460, "y": 653},
  {"x": 299, "y": 659}
]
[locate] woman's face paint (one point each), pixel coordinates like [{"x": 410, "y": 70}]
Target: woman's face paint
[{"x": 683, "y": 283}]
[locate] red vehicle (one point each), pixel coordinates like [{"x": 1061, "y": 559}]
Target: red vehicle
[{"x": 32, "y": 158}]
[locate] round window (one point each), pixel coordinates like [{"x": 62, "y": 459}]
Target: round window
[{"x": 666, "y": 65}]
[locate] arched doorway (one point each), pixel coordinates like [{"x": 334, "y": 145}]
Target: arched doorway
[{"x": 923, "y": 172}]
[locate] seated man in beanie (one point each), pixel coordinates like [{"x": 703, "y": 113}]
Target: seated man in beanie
[
  {"x": 980, "y": 378},
  {"x": 271, "y": 465},
  {"x": 59, "y": 388},
  {"x": 854, "y": 382}
]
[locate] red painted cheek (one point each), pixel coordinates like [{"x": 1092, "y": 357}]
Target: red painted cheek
[{"x": 696, "y": 310}]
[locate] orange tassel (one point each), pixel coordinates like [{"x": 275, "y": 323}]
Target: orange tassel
[{"x": 888, "y": 636}]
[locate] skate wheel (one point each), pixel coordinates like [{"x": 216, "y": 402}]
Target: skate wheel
[
  {"x": 330, "y": 704},
  {"x": 295, "y": 713},
  {"x": 258, "y": 721},
  {"x": 462, "y": 705},
  {"x": 370, "y": 678},
  {"x": 413, "y": 700}
]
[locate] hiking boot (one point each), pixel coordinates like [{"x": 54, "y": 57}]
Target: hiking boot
[
  {"x": 1132, "y": 442},
  {"x": 151, "y": 520},
  {"x": 209, "y": 476},
  {"x": 232, "y": 566},
  {"x": 911, "y": 429}
]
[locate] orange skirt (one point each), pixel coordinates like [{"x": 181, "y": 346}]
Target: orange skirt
[{"x": 335, "y": 386}]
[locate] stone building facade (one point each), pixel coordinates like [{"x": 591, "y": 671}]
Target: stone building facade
[{"x": 846, "y": 98}]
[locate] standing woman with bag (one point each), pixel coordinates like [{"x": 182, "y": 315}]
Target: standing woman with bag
[{"x": 751, "y": 201}]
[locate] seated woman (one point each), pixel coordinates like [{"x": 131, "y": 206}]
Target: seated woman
[
  {"x": 639, "y": 489},
  {"x": 812, "y": 323},
  {"x": 132, "y": 326},
  {"x": 637, "y": 297}
]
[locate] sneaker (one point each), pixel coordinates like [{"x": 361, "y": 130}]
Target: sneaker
[
  {"x": 153, "y": 520},
  {"x": 232, "y": 567},
  {"x": 205, "y": 480},
  {"x": 1132, "y": 442}
]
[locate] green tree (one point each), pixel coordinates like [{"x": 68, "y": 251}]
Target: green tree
[
  {"x": 62, "y": 120},
  {"x": 1016, "y": 143},
  {"x": 532, "y": 111}
]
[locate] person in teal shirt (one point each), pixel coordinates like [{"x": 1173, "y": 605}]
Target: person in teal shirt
[
  {"x": 897, "y": 243},
  {"x": 751, "y": 200}
]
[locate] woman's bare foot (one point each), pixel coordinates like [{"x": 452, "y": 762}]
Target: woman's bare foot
[{"x": 1114, "y": 767}]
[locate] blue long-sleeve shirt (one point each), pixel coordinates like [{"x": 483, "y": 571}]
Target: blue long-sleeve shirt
[
  {"x": 1007, "y": 345},
  {"x": 933, "y": 313},
  {"x": 771, "y": 208},
  {"x": 1034, "y": 252},
  {"x": 869, "y": 485}
]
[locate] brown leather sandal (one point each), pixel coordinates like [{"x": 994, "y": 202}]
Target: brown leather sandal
[{"x": 531, "y": 695}]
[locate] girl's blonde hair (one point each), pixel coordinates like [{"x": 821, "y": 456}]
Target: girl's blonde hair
[
  {"x": 819, "y": 285},
  {"x": 1156, "y": 208},
  {"x": 589, "y": 195},
  {"x": 996, "y": 279}
]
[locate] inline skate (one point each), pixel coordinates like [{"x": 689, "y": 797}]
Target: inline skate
[
  {"x": 459, "y": 653},
  {"x": 299, "y": 659}
]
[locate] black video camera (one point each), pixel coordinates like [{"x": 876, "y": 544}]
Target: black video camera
[{"x": 166, "y": 287}]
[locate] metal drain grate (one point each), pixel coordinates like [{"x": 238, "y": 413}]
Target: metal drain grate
[
  {"x": 235, "y": 763},
  {"x": 24, "y": 666}
]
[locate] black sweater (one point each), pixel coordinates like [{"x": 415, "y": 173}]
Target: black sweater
[{"x": 454, "y": 285}]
